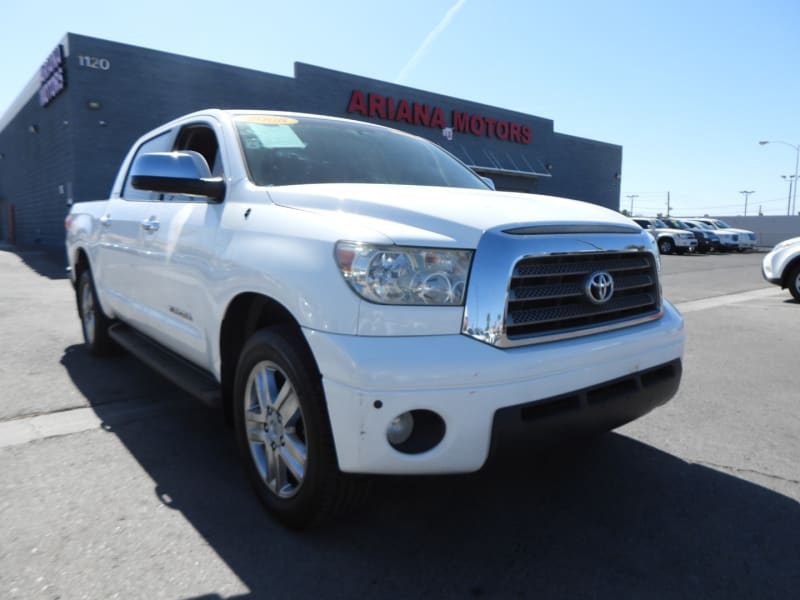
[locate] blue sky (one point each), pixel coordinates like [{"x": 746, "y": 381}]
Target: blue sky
[{"x": 686, "y": 87}]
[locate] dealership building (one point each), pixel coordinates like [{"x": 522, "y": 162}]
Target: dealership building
[{"x": 66, "y": 134}]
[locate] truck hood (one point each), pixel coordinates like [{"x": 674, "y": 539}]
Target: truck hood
[
  {"x": 735, "y": 230},
  {"x": 436, "y": 215},
  {"x": 672, "y": 231}
]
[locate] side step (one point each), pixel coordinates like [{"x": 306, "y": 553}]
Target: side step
[{"x": 182, "y": 373}]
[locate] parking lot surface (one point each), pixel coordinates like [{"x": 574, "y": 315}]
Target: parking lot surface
[{"x": 116, "y": 484}]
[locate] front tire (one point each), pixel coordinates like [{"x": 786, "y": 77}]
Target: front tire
[
  {"x": 793, "y": 282},
  {"x": 666, "y": 246},
  {"x": 94, "y": 322},
  {"x": 283, "y": 431}
]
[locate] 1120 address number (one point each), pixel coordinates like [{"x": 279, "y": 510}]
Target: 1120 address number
[{"x": 94, "y": 62}]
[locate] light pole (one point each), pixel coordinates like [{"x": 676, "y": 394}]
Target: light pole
[
  {"x": 791, "y": 207},
  {"x": 746, "y": 196}
]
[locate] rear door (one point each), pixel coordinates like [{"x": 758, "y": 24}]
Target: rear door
[{"x": 119, "y": 261}]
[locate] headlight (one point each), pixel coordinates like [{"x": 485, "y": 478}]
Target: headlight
[
  {"x": 405, "y": 275},
  {"x": 786, "y": 244}
]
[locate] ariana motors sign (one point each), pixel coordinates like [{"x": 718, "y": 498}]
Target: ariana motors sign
[
  {"x": 377, "y": 106},
  {"x": 52, "y": 78}
]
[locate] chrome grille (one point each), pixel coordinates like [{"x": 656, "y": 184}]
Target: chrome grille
[{"x": 547, "y": 293}]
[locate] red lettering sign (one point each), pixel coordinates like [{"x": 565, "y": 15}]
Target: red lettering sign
[
  {"x": 403, "y": 112},
  {"x": 476, "y": 125},
  {"x": 460, "y": 121},
  {"x": 422, "y": 115},
  {"x": 502, "y": 130},
  {"x": 437, "y": 120},
  {"x": 377, "y": 106},
  {"x": 357, "y": 103}
]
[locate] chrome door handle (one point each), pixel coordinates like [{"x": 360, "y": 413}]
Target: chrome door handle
[
  {"x": 151, "y": 224},
  {"x": 105, "y": 221}
]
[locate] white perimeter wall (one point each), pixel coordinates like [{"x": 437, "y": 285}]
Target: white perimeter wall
[{"x": 769, "y": 229}]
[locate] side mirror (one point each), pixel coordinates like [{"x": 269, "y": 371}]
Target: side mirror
[
  {"x": 184, "y": 172},
  {"x": 488, "y": 181}
]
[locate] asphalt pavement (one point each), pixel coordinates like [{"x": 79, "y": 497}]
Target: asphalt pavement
[{"x": 117, "y": 484}]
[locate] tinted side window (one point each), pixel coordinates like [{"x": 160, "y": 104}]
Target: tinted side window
[
  {"x": 160, "y": 143},
  {"x": 201, "y": 139}
]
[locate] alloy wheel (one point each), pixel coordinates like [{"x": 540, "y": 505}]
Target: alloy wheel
[{"x": 275, "y": 429}]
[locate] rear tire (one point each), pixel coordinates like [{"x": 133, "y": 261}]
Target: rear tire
[
  {"x": 94, "y": 322},
  {"x": 283, "y": 432}
]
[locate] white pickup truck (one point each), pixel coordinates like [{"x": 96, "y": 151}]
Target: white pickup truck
[{"x": 360, "y": 302}]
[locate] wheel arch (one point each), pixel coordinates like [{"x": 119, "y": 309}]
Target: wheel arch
[
  {"x": 247, "y": 313},
  {"x": 81, "y": 264},
  {"x": 668, "y": 241},
  {"x": 788, "y": 269}
]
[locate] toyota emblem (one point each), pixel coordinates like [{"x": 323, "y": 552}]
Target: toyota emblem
[{"x": 599, "y": 287}]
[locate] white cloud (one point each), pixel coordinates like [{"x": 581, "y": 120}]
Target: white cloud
[{"x": 429, "y": 39}]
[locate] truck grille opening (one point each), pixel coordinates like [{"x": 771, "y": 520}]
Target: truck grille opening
[{"x": 550, "y": 295}]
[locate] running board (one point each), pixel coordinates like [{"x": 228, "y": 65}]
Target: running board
[{"x": 179, "y": 371}]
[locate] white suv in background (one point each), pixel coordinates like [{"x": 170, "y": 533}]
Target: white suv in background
[
  {"x": 782, "y": 266},
  {"x": 747, "y": 238},
  {"x": 669, "y": 240}
]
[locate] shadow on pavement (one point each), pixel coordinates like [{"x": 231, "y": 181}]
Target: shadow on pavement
[
  {"x": 612, "y": 519},
  {"x": 48, "y": 263}
]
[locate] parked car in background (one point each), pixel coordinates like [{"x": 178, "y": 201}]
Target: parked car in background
[
  {"x": 728, "y": 240},
  {"x": 782, "y": 266},
  {"x": 707, "y": 240},
  {"x": 746, "y": 239},
  {"x": 669, "y": 240}
]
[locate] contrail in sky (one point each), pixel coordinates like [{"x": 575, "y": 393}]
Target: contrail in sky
[{"x": 423, "y": 49}]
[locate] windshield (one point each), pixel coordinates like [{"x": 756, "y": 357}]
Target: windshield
[
  {"x": 284, "y": 150},
  {"x": 659, "y": 223},
  {"x": 722, "y": 224},
  {"x": 702, "y": 225}
]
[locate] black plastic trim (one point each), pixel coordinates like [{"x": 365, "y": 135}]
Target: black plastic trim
[
  {"x": 193, "y": 379},
  {"x": 591, "y": 410},
  {"x": 211, "y": 188}
]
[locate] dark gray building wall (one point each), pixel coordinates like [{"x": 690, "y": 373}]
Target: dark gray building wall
[
  {"x": 117, "y": 92},
  {"x": 583, "y": 169},
  {"x": 37, "y": 157},
  {"x": 143, "y": 89}
]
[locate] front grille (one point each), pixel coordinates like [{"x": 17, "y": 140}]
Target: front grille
[{"x": 547, "y": 295}]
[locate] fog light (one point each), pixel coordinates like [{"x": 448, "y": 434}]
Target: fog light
[{"x": 400, "y": 429}]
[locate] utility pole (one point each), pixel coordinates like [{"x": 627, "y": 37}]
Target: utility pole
[
  {"x": 746, "y": 196},
  {"x": 669, "y": 208},
  {"x": 792, "y": 180},
  {"x": 631, "y": 197}
]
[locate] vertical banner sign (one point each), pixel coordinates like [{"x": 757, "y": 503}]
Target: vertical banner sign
[{"x": 52, "y": 77}]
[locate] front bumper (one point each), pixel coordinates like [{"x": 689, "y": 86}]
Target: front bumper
[
  {"x": 746, "y": 244},
  {"x": 771, "y": 268},
  {"x": 368, "y": 381}
]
